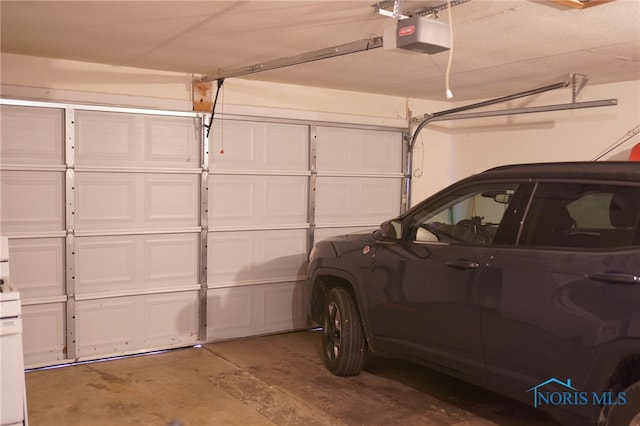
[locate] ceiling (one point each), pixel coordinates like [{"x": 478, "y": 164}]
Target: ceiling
[{"x": 500, "y": 46}]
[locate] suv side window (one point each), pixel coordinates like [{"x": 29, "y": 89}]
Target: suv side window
[
  {"x": 469, "y": 215},
  {"x": 579, "y": 215}
]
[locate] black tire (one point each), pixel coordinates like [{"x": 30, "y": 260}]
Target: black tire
[
  {"x": 343, "y": 342},
  {"x": 629, "y": 413}
]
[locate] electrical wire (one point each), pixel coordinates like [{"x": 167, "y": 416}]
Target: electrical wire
[{"x": 448, "y": 92}]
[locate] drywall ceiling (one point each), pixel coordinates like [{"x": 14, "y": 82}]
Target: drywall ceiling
[{"x": 500, "y": 46}]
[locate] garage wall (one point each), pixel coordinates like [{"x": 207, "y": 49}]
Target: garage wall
[{"x": 27, "y": 77}]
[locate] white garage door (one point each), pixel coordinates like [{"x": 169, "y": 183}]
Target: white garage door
[{"x": 130, "y": 231}]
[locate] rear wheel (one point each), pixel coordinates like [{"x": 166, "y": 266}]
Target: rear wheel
[
  {"x": 343, "y": 340},
  {"x": 627, "y": 414}
]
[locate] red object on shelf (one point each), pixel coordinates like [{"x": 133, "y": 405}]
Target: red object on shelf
[{"x": 635, "y": 153}]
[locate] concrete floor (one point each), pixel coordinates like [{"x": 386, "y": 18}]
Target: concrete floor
[{"x": 270, "y": 380}]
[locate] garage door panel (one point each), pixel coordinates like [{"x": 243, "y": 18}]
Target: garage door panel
[
  {"x": 117, "y": 264},
  {"x": 240, "y": 141},
  {"x": 105, "y": 137},
  {"x": 172, "y": 199},
  {"x": 284, "y": 252},
  {"x": 44, "y": 333},
  {"x": 135, "y": 323},
  {"x": 347, "y": 200},
  {"x": 105, "y": 199},
  {"x": 172, "y": 259},
  {"x": 228, "y": 254},
  {"x": 37, "y": 267},
  {"x": 257, "y": 200},
  {"x": 285, "y": 200},
  {"x": 105, "y": 326},
  {"x": 283, "y": 307},
  {"x": 31, "y": 135},
  {"x": 260, "y": 146},
  {"x": 286, "y": 147},
  {"x": 231, "y": 200},
  {"x": 356, "y": 150},
  {"x": 134, "y": 201},
  {"x": 230, "y": 312},
  {"x": 31, "y": 201},
  {"x": 105, "y": 264},
  {"x": 251, "y": 310},
  {"x": 243, "y": 257},
  {"x": 170, "y": 318},
  {"x": 118, "y": 139},
  {"x": 375, "y": 196},
  {"x": 172, "y": 140}
]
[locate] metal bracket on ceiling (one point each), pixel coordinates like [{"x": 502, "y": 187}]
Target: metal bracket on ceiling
[
  {"x": 576, "y": 87},
  {"x": 396, "y": 13},
  {"x": 388, "y": 8}
]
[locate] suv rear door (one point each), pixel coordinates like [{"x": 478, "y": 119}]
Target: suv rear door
[{"x": 567, "y": 289}]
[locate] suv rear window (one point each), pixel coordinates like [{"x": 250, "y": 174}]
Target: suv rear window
[{"x": 578, "y": 215}]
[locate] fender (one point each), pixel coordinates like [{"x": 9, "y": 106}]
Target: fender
[{"x": 317, "y": 291}]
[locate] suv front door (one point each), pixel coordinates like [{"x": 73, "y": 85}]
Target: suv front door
[{"x": 425, "y": 288}]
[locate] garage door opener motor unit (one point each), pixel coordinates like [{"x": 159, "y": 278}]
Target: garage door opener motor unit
[{"x": 418, "y": 34}]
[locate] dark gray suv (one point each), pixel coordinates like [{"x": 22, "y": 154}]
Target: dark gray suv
[{"x": 524, "y": 279}]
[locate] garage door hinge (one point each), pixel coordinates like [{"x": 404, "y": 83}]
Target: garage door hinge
[{"x": 70, "y": 235}]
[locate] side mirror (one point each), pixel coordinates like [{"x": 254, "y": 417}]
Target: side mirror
[{"x": 391, "y": 229}]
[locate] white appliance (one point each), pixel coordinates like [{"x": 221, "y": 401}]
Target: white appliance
[{"x": 13, "y": 397}]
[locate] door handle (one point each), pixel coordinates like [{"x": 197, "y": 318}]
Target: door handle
[
  {"x": 614, "y": 277},
  {"x": 463, "y": 264}
]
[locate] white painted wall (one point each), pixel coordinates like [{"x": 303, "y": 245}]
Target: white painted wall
[
  {"x": 432, "y": 151},
  {"x": 27, "y": 77},
  {"x": 444, "y": 151}
]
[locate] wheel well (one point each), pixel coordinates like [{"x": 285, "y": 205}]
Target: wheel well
[
  {"x": 627, "y": 373},
  {"x": 323, "y": 284}
]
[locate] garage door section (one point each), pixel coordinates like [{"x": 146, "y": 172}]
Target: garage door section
[
  {"x": 258, "y": 228},
  {"x": 103, "y": 213},
  {"x": 359, "y": 179},
  {"x": 32, "y": 214},
  {"x": 137, "y": 228}
]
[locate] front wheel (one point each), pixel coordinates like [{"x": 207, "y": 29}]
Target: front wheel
[
  {"x": 343, "y": 340},
  {"x": 627, "y": 414}
]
